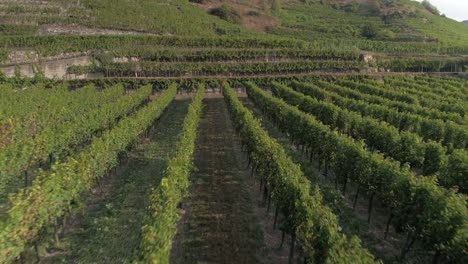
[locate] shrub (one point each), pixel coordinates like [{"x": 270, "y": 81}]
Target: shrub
[
  {"x": 253, "y": 13},
  {"x": 370, "y": 31},
  {"x": 226, "y": 13}
]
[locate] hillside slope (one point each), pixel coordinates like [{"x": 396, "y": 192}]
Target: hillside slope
[
  {"x": 378, "y": 27},
  {"x": 162, "y": 17}
]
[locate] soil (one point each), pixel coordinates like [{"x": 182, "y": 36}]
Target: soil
[
  {"x": 221, "y": 214},
  {"x": 253, "y": 16},
  {"x": 55, "y": 29}
]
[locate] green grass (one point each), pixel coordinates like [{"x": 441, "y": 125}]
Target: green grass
[
  {"x": 323, "y": 23},
  {"x": 444, "y": 30},
  {"x": 416, "y": 31},
  {"x": 165, "y": 17},
  {"x": 316, "y": 21}
]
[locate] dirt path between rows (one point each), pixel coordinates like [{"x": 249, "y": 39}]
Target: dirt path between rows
[{"x": 220, "y": 224}]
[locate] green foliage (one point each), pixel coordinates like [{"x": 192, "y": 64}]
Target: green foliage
[
  {"x": 423, "y": 64},
  {"x": 455, "y": 171},
  {"x": 307, "y": 219},
  {"x": 53, "y": 45},
  {"x": 434, "y": 158},
  {"x": 422, "y": 207},
  {"x": 17, "y": 29},
  {"x": 426, "y": 122},
  {"x": 211, "y": 54},
  {"x": 51, "y": 136},
  {"x": 161, "y": 226},
  {"x": 54, "y": 191},
  {"x": 151, "y": 69},
  {"x": 370, "y": 31},
  {"x": 2, "y": 77},
  {"x": 404, "y": 147},
  {"x": 177, "y": 17}
]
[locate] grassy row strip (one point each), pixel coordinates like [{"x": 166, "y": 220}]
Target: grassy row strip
[
  {"x": 53, "y": 192},
  {"x": 161, "y": 225},
  {"x": 435, "y": 216},
  {"x": 306, "y": 218},
  {"x": 405, "y": 147}
]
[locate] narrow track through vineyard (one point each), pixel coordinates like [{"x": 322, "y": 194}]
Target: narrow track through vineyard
[{"x": 219, "y": 224}]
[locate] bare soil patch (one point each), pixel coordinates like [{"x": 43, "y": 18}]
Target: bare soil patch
[{"x": 253, "y": 15}]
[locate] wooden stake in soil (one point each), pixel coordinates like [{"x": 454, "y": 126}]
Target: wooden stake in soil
[
  {"x": 26, "y": 179},
  {"x": 269, "y": 201},
  {"x": 387, "y": 229},
  {"x": 369, "y": 208},
  {"x": 282, "y": 238},
  {"x": 276, "y": 217},
  {"x": 56, "y": 233},
  {"x": 36, "y": 249},
  {"x": 291, "y": 249},
  {"x": 356, "y": 197}
]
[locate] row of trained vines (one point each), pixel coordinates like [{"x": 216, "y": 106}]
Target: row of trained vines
[
  {"x": 62, "y": 43},
  {"x": 428, "y": 157},
  {"x": 157, "y": 69},
  {"x": 234, "y": 54},
  {"x": 306, "y": 219},
  {"x": 57, "y": 141},
  {"x": 161, "y": 225},
  {"x": 419, "y": 88},
  {"x": 54, "y": 191},
  {"x": 402, "y": 116},
  {"x": 443, "y": 105},
  {"x": 30, "y": 110},
  {"x": 418, "y": 206}
]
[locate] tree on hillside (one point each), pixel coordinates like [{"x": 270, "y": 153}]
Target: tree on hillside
[
  {"x": 430, "y": 7},
  {"x": 370, "y": 31}
]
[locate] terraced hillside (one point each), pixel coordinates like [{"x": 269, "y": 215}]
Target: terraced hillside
[{"x": 401, "y": 37}]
